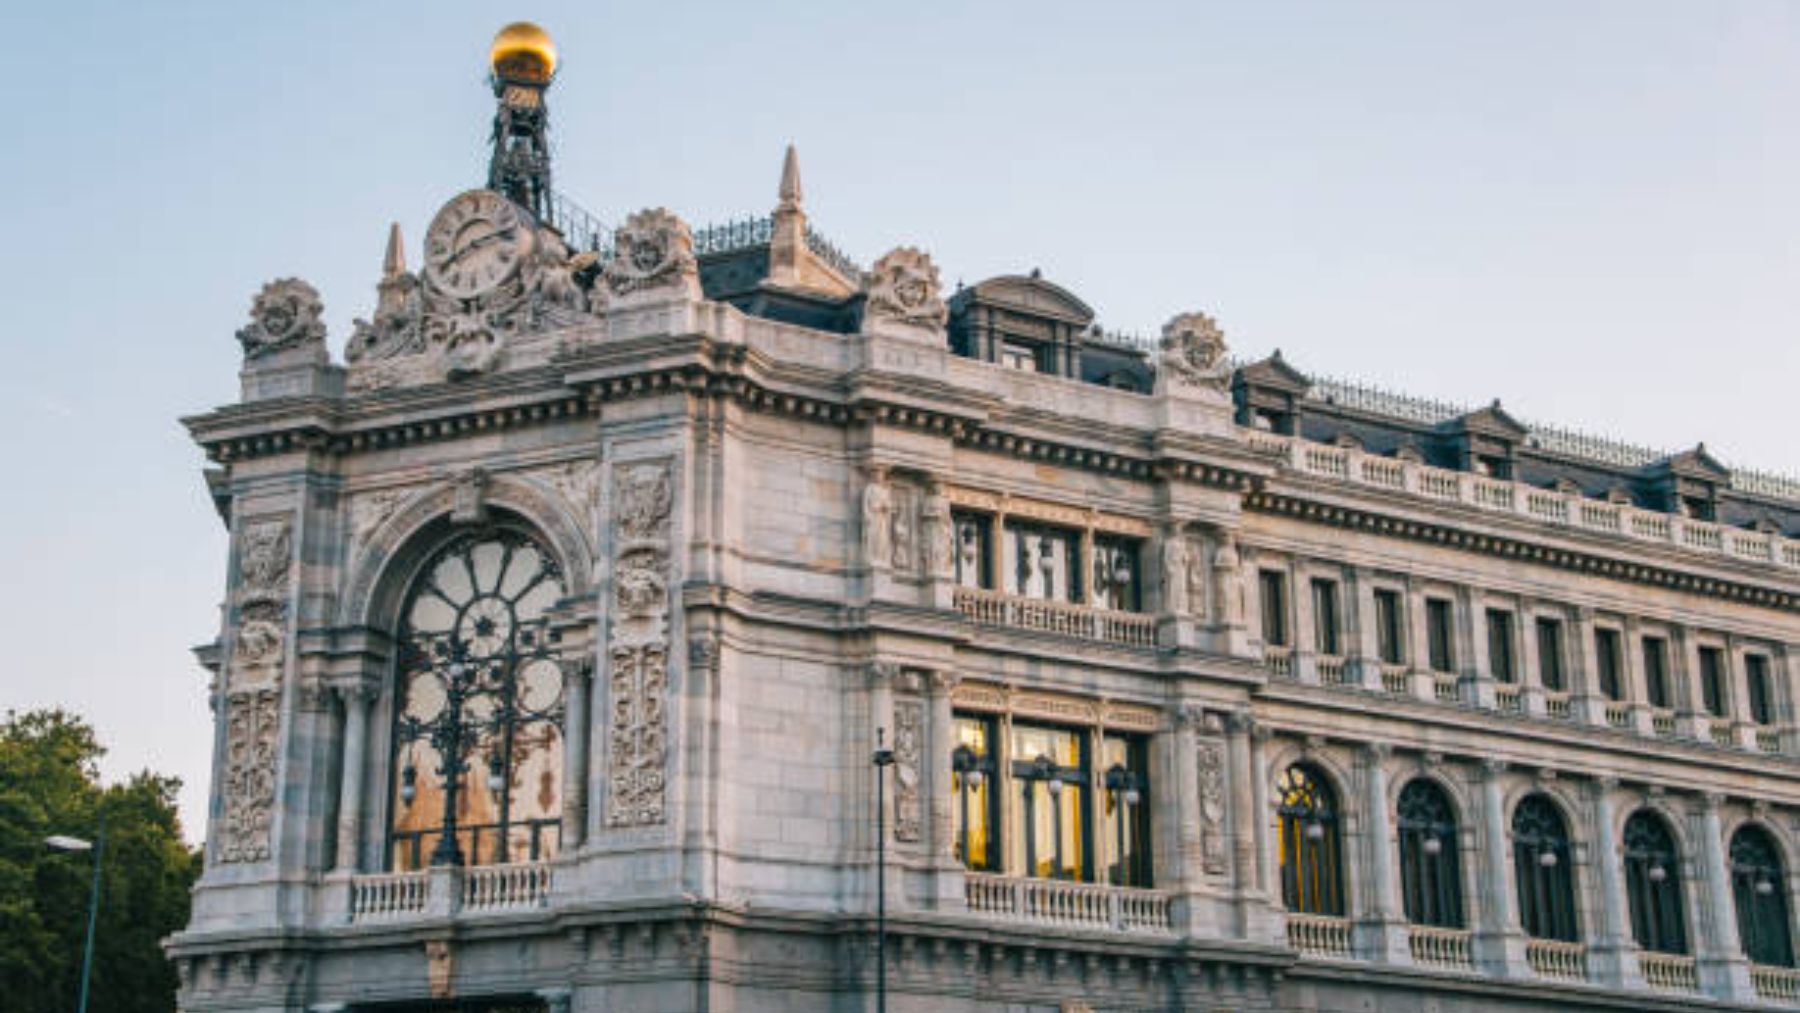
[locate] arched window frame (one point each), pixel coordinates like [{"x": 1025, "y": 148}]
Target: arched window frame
[
  {"x": 518, "y": 685},
  {"x": 1653, "y": 886},
  {"x": 1430, "y": 861},
  {"x": 1311, "y": 842},
  {"x": 1759, "y": 890},
  {"x": 1543, "y": 868}
]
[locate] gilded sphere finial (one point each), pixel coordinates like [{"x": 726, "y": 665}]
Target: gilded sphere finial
[{"x": 523, "y": 52}]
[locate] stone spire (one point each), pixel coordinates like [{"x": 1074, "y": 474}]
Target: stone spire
[
  {"x": 792, "y": 265},
  {"x": 790, "y": 181},
  {"x": 391, "y": 291}
]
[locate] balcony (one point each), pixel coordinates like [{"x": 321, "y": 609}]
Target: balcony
[
  {"x": 1319, "y": 935},
  {"x": 1668, "y": 972},
  {"x": 482, "y": 889},
  {"x": 1330, "y": 668},
  {"x": 1279, "y": 660},
  {"x": 1778, "y": 983},
  {"x": 994, "y": 608},
  {"x": 1395, "y": 679},
  {"x": 1068, "y": 905},
  {"x": 1553, "y": 958},
  {"x": 1450, "y": 949},
  {"x": 1618, "y": 715}
]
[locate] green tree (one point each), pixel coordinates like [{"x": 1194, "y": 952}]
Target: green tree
[{"x": 50, "y": 784}]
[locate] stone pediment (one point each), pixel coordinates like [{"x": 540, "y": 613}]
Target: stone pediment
[
  {"x": 1274, "y": 373},
  {"x": 1030, "y": 295},
  {"x": 1492, "y": 421},
  {"x": 1696, "y": 463}
]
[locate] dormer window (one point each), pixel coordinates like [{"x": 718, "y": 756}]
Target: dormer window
[{"x": 1017, "y": 356}]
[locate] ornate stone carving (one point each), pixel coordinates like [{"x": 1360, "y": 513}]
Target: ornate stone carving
[
  {"x": 265, "y": 553},
  {"x": 903, "y": 536},
  {"x": 903, "y": 289},
  {"x": 934, "y": 530},
  {"x": 470, "y": 503},
  {"x": 1193, "y": 353},
  {"x": 577, "y": 482},
  {"x": 285, "y": 314},
  {"x": 876, "y": 508},
  {"x": 652, "y": 250},
  {"x": 440, "y": 967},
  {"x": 368, "y": 511},
  {"x": 252, "y": 720},
  {"x": 1195, "y": 578},
  {"x": 1175, "y": 572},
  {"x": 265, "y": 557},
  {"x": 1212, "y": 806},
  {"x": 1228, "y": 591},
  {"x": 638, "y": 644},
  {"x": 909, "y": 733}
]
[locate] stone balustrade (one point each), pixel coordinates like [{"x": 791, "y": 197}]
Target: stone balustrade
[
  {"x": 1662, "y": 722},
  {"x": 1720, "y": 734},
  {"x": 1279, "y": 660},
  {"x": 1565, "y": 510},
  {"x": 1668, "y": 972},
  {"x": 1778, "y": 983},
  {"x": 1443, "y": 687},
  {"x": 1768, "y": 740},
  {"x": 1508, "y": 699},
  {"x": 1618, "y": 715},
  {"x": 995, "y": 608},
  {"x": 1060, "y": 903},
  {"x": 1395, "y": 679},
  {"x": 1433, "y": 946},
  {"x": 1330, "y": 668},
  {"x": 1319, "y": 935},
  {"x": 384, "y": 896},
  {"x": 1558, "y": 706},
  {"x": 1554, "y": 958},
  {"x": 479, "y": 889},
  {"x": 505, "y": 887}
]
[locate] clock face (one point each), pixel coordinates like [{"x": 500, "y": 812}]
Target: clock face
[{"x": 475, "y": 243}]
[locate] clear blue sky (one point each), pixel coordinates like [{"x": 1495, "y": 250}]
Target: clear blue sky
[{"x": 1591, "y": 210}]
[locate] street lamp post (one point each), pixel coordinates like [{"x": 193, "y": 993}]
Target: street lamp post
[
  {"x": 62, "y": 843},
  {"x": 883, "y": 759}
]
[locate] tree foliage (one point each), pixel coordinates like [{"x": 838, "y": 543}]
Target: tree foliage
[{"x": 50, "y": 784}]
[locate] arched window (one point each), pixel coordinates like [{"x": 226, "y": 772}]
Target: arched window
[
  {"x": 478, "y": 739},
  {"x": 1759, "y": 889},
  {"x": 1541, "y": 866},
  {"x": 1312, "y": 879},
  {"x": 1653, "y": 884},
  {"x": 1430, "y": 877}
]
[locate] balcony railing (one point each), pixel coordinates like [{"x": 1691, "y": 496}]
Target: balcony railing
[
  {"x": 1433, "y": 946},
  {"x": 1553, "y": 958},
  {"x": 1720, "y": 734},
  {"x": 1394, "y": 679},
  {"x": 1443, "y": 686},
  {"x": 1054, "y": 902},
  {"x": 994, "y": 608},
  {"x": 1563, "y": 510},
  {"x": 1331, "y": 669},
  {"x": 1508, "y": 699},
  {"x": 1663, "y": 723},
  {"x": 1768, "y": 740},
  {"x": 1618, "y": 715},
  {"x": 505, "y": 887},
  {"x": 385, "y": 896},
  {"x": 1668, "y": 971},
  {"x": 1278, "y": 660},
  {"x": 1559, "y": 706},
  {"x": 478, "y": 889},
  {"x": 1319, "y": 935},
  {"x": 1776, "y": 982}
]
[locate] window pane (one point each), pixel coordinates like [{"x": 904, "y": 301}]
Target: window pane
[
  {"x": 1756, "y": 686},
  {"x": 1125, "y": 820},
  {"x": 1040, "y": 562},
  {"x": 1116, "y": 578},
  {"x": 1440, "y": 633},
  {"x": 974, "y": 566},
  {"x": 1325, "y": 616},
  {"x": 975, "y": 794},
  {"x": 1051, "y": 842},
  {"x": 1656, "y": 672},
  {"x": 1550, "y": 661},
  {"x": 1273, "y": 584},
  {"x": 1712, "y": 680},
  {"x": 1500, "y": 646},
  {"x": 1388, "y": 634},
  {"x": 1606, "y": 651}
]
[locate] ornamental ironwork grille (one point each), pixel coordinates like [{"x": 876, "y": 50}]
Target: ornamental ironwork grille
[
  {"x": 1542, "y": 867},
  {"x": 1653, "y": 885},
  {"x": 478, "y": 725},
  {"x": 1312, "y": 878},
  {"x": 1759, "y": 891},
  {"x": 1430, "y": 871}
]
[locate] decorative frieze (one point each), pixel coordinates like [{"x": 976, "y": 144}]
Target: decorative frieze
[
  {"x": 253, "y": 689},
  {"x": 638, "y": 644},
  {"x": 252, "y": 722},
  {"x": 909, "y": 735},
  {"x": 1211, "y": 759}
]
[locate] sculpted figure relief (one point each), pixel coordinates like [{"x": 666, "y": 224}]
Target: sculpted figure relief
[
  {"x": 934, "y": 518},
  {"x": 643, "y": 501},
  {"x": 1193, "y": 352},
  {"x": 265, "y": 551},
  {"x": 653, "y": 249},
  {"x": 876, "y": 507},
  {"x": 1228, "y": 592},
  {"x": 1212, "y": 806},
  {"x": 285, "y": 314},
  {"x": 909, "y": 733},
  {"x": 903, "y": 288},
  {"x": 1174, "y": 572}
]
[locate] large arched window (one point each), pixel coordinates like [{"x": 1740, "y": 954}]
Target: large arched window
[
  {"x": 1312, "y": 879},
  {"x": 478, "y": 740},
  {"x": 1542, "y": 867},
  {"x": 1759, "y": 888},
  {"x": 1653, "y": 884},
  {"x": 1430, "y": 880}
]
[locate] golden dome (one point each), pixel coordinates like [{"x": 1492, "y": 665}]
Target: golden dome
[{"x": 523, "y": 51}]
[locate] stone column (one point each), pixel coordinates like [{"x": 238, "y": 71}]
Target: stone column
[
  {"x": 1637, "y": 685},
  {"x": 577, "y": 675},
  {"x": 1784, "y": 672},
  {"x": 1530, "y": 671},
  {"x": 1382, "y": 931},
  {"x": 1724, "y": 971},
  {"x": 1691, "y": 720},
  {"x": 1500, "y": 945},
  {"x": 1471, "y": 648},
  {"x": 1584, "y": 667},
  {"x": 1418, "y": 642},
  {"x": 357, "y": 697},
  {"x": 1364, "y": 634},
  {"x": 1614, "y": 955},
  {"x": 1303, "y": 637},
  {"x": 941, "y": 742}
]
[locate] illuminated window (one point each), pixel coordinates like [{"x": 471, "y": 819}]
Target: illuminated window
[
  {"x": 1049, "y": 804},
  {"x": 973, "y": 780},
  {"x": 1312, "y": 880}
]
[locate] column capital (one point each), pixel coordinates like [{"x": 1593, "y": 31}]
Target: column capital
[
  {"x": 1606, "y": 783},
  {"x": 1240, "y": 721},
  {"x": 1493, "y": 767},
  {"x": 1378, "y": 751},
  {"x": 1710, "y": 801},
  {"x": 359, "y": 689},
  {"x": 945, "y": 680}
]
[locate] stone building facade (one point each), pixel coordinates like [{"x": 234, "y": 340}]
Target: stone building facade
[{"x": 566, "y": 619}]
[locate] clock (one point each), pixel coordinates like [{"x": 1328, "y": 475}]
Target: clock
[{"x": 475, "y": 243}]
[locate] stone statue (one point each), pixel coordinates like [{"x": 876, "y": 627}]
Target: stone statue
[
  {"x": 1195, "y": 551},
  {"x": 877, "y": 544},
  {"x": 1174, "y": 572},
  {"x": 1228, "y": 594},
  {"x": 934, "y": 523},
  {"x": 285, "y": 314},
  {"x": 1193, "y": 353}
]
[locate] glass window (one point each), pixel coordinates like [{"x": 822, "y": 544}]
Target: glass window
[
  {"x": 1759, "y": 891},
  {"x": 1440, "y": 634},
  {"x": 1312, "y": 879},
  {"x": 1126, "y": 779},
  {"x": 1550, "y": 655},
  {"x": 1712, "y": 680},
  {"x": 1325, "y": 617},
  {"x": 1500, "y": 646},
  {"x": 1656, "y": 672},
  {"x": 1050, "y": 804},
  {"x": 1541, "y": 868},
  {"x": 1273, "y": 585},
  {"x": 1389, "y": 635},
  {"x": 478, "y": 723},
  {"x": 974, "y": 557},
  {"x": 1756, "y": 687},
  {"x": 977, "y": 803},
  {"x": 1653, "y": 885},
  {"x": 1606, "y": 653},
  {"x": 1116, "y": 574},
  {"x": 1430, "y": 880},
  {"x": 1041, "y": 562}
]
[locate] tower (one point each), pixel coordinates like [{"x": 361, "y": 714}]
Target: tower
[{"x": 523, "y": 63}]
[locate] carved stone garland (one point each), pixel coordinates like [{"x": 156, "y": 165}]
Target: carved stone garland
[
  {"x": 909, "y": 734},
  {"x": 638, "y": 644},
  {"x": 253, "y": 690},
  {"x": 1211, "y": 757}
]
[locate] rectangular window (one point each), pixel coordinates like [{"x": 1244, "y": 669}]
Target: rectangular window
[
  {"x": 1325, "y": 617},
  {"x": 1020, "y": 357},
  {"x": 974, "y": 552},
  {"x": 1712, "y": 680},
  {"x": 1126, "y": 810},
  {"x": 1756, "y": 687},
  {"x": 1041, "y": 562},
  {"x": 1608, "y": 658},
  {"x": 1389, "y": 634},
  {"x": 1440, "y": 634},
  {"x": 1656, "y": 672},
  {"x": 973, "y": 779},
  {"x": 1116, "y": 579},
  {"x": 1048, "y": 803},
  {"x": 1273, "y": 586},
  {"x": 1500, "y": 646},
  {"x": 1550, "y": 659}
]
